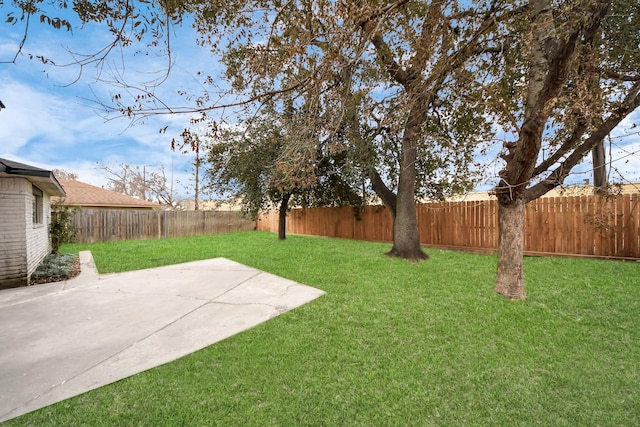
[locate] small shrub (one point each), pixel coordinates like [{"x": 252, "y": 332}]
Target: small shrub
[
  {"x": 61, "y": 229},
  {"x": 55, "y": 267}
]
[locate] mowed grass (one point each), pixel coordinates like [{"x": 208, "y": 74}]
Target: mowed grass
[{"x": 391, "y": 343}]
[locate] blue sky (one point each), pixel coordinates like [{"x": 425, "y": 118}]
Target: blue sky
[{"x": 48, "y": 123}]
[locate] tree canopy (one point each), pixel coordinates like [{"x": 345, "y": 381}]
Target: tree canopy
[
  {"x": 262, "y": 162},
  {"x": 389, "y": 79}
]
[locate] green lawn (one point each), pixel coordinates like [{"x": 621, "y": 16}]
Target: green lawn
[{"x": 391, "y": 343}]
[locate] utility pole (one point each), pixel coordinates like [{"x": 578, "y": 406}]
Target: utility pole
[
  {"x": 144, "y": 182},
  {"x": 197, "y": 165},
  {"x": 599, "y": 168},
  {"x": 171, "y": 194}
]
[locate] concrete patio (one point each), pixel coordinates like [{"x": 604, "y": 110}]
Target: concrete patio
[{"x": 62, "y": 339}]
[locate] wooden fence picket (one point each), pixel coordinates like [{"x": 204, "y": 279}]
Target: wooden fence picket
[{"x": 100, "y": 225}]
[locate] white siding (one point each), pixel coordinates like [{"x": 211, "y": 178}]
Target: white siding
[
  {"x": 38, "y": 242},
  {"x": 23, "y": 245},
  {"x": 13, "y": 243}
]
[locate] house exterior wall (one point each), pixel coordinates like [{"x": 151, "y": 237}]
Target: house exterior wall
[
  {"x": 13, "y": 242},
  {"x": 37, "y": 235},
  {"x": 23, "y": 244}
]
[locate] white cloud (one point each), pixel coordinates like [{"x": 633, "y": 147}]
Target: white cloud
[
  {"x": 45, "y": 129},
  {"x": 29, "y": 114},
  {"x": 8, "y": 50}
]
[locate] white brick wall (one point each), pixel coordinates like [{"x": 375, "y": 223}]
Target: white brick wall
[
  {"x": 38, "y": 243},
  {"x": 23, "y": 244}
]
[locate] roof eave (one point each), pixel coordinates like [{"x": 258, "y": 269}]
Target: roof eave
[
  {"x": 49, "y": 184},
  {"x": 44, "y": 179}
]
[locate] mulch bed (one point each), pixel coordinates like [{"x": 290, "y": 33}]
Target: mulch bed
[{"x": 75, "y": 270}]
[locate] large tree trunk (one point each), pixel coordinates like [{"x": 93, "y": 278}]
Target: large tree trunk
[
  {"x": 282, "y": 216},
  {"x": 509, "y": 280},
  {"x": 548, "y": 64},
  {"x": 406, "y": 240}
]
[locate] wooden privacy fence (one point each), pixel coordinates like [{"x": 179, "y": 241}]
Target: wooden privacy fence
[
  {"x": 101, "y": 225},
  {"x": 573, "y": 225}
]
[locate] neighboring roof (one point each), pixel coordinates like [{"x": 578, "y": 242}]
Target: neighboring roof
[
  {"x": 44, "y": 179},
  {"x": 213, "y": 205},
  {"x": 90, "y": 196},
  {"x": 579, "y": 190},
  {"x": 571, "y": 190}
]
